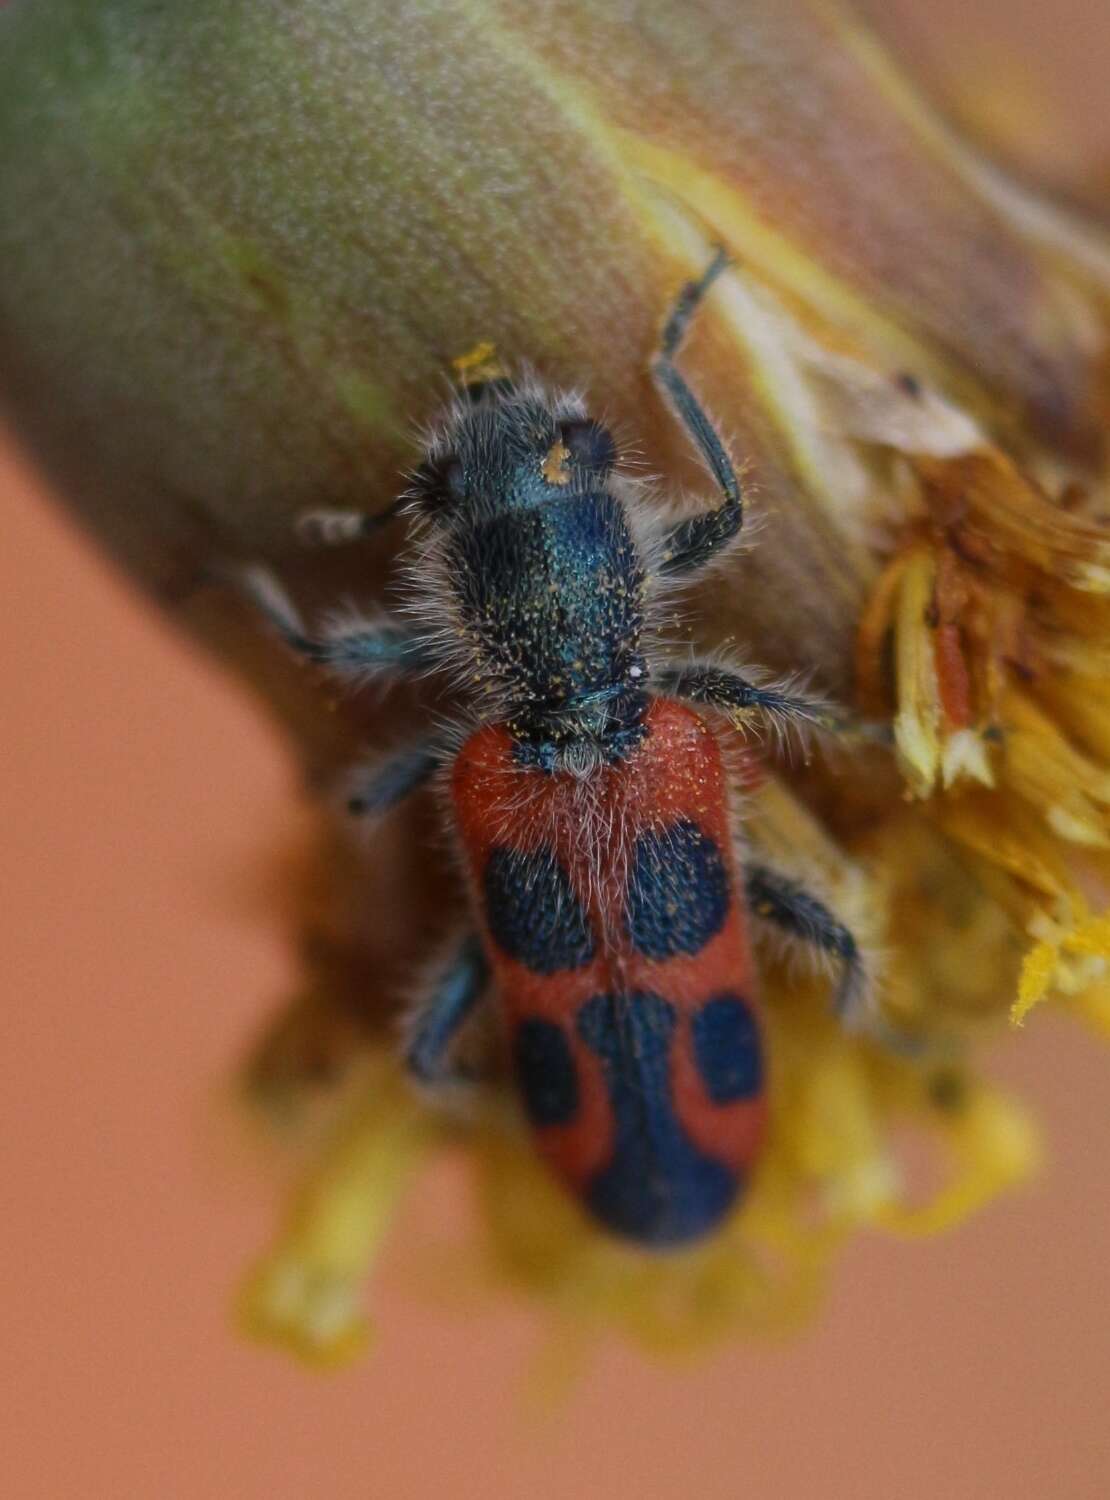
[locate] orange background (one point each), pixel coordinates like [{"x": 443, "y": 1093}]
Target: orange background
[{"x": 140, "y": 795}]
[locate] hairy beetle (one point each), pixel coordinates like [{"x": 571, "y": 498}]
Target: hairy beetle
[{"x": 609, "y": 908}]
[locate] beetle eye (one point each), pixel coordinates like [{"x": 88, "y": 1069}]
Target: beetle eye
[
  {"x": 439, "y": 483},
  {"x": 589, "y": 445}
]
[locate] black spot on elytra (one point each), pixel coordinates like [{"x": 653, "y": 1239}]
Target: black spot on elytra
[
  {"x": 727, "y": 1049},
  {"x": 657, "y": 1187},
  {"x": 532, "y": 911},
  {"x": 677, "y": 892},
  {"x": 545, "y": 1071}
]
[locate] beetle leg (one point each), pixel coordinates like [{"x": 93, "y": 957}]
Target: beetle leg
[
  {"x": 733, "y": 695},
  {"x": 785, "y": 902},
  {"x": 359, "y": 648},
  {"x": 335, "y": 528},
  {"x": 373, "y": 787},
  {"x": 438, "y": 1019},
  {"x": 690, "y": 544}
]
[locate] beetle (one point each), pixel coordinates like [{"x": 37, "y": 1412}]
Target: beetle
[{"x": 609, "y": 907}]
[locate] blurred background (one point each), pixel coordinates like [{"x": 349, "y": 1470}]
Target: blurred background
[{"x": 142, "y": 802}]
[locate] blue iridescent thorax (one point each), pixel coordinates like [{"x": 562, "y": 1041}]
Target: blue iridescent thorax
[
  {"x": 553, "y": 593},
  {"x": 545, "y": 571}
]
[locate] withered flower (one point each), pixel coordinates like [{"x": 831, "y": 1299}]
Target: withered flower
[{"x": 240, "y": 248}]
